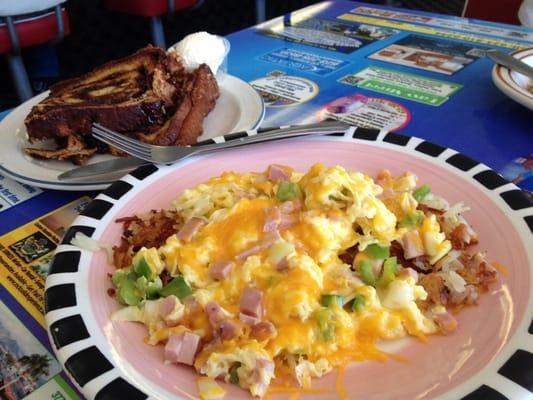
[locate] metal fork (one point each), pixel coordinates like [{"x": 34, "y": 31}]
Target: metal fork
[{"x": 168, "y": 154}]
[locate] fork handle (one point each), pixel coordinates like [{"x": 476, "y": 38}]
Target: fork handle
[{"x": 249, "y": 137}]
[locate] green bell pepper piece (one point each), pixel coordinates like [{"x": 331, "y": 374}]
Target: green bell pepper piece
[
  {"x": 421, "y": 192},
  {"x": 377, "y": 252},
  {"x": 178, "y": 287},
  {"x": 329, "y": 300},
  {"x": 411, "y": 220},
  {"x": 120, "y": 274},
  {"x": 153, "y": 288},
  {"x": 367, "y": 273},
  {"x": 142, "y": 268},
  {"x": 149, "y": 289},
  {"x": 288, "y": 191},
  {"x": 358, "y": 303},
  {"x": 390, "y": 268},
  {"x": 128, "y": 293},
  {"x": 233, "y": 376},
  {"x": 326, "y": 324}
]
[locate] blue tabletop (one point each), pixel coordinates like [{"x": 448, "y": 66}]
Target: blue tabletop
[{"x": 478, "y": 119}]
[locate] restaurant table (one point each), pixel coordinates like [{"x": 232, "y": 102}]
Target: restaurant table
[{"x": 409, "y": 72}]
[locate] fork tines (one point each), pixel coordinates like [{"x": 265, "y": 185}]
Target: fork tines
[{"x": 122, "y": 142}]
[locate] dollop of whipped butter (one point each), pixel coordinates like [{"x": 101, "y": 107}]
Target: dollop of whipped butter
[{"x": 201, "y": 47}]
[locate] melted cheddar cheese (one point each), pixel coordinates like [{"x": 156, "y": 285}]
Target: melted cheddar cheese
[{"x": 338, "y": 210}]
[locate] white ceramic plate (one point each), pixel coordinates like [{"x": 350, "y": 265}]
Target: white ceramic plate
[
  {"x": 238, "y": 108},
  {"x": 514, "y": 84},
  {"x": 489, "y": 356}
]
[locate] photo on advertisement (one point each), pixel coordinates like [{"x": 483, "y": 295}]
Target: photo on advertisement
[
  {"x": 58, "y": 221},
  {"x": 367, "y": 112},
  {"x": 26, "y": 253},
  {"x": 280, "y": 90},
  {"x": 26, "y": 366},
  {"x": 436, "y": 55},
  {"x": 377, "y": 12},
  {"x": 330, "y": 35},
  {"x": 520, "y": 172}
]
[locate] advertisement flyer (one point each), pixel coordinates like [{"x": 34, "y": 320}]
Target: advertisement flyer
[
  {"x": 435, "y": 31},
  {"x": 25, "y": 254},
  {"x": 27, "y": 369},
  {"x": 13, "y": 193},
  {"x": 279, "y": 90},
  {"x": 327, "y": 34},
  {"x": 413, "y": 87},
  {"x": 520, "y": 172},
  {"x": 304, "y": 61},
  {"x": 442, "y": 56},
  {"x": 461, "y": 25},
  {"x": 367, "y": 112}
]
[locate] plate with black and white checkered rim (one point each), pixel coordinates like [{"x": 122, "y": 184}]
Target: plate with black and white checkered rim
[{"x": 489, "y": 355}]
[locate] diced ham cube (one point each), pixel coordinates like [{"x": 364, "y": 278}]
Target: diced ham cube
[
  {"x": 182, "y": 348},
  {"x": 250, "y": 303},
  {"x": 171, "y": 310},
  {"x": 220, "y": 270},
  {"x": 260, "y": 389},
  {"x": 229, "y": 329},
  {"x": 244, "y": 194},
  {"x": 167, "y": 305},
  {"x": 412, "y": 245},
  {"x": 271, "y": 237},
  {"x": 190, "y": 228},
  {"x": 446, "y": 322},
  {"x": 264, "y": 330},
  {"x": 468, "y": 296},
  {"x": 282, "y": 265},
  {"x": 272, "y": 219},
  {"x": 248, "y": 320},
  {"x": 220, "y": 323},
  {"x": 192, "y": 305},
  {"x": 288, "y": 207},
  {"x": 256, "y": 248},
  {"x": 263, "y": 371},
  {"x": 287, "y": 221},
  {"x": 243, "y": 255},
  {"x": 215, "y": 314},
  {"x": 278, "y": 173},
  {"x": 265, "y": 365}
]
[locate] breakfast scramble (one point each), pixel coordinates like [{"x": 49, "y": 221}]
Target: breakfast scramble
[{"x": 280, "y": 274}]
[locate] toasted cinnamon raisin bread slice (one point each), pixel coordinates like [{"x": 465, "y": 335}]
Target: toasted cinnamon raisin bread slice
[
  {"x": 148, "y": 95},
  {"x": 118, "y": 94}
]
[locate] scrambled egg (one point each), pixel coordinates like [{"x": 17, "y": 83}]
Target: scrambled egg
[{"x": 325, "y": 312}]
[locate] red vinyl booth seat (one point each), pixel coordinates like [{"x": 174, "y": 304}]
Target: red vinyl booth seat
[
  {"x": 493, "y": 10},
  {"x": 33, "y": 31},
  {"x": 147, "y": 8}
]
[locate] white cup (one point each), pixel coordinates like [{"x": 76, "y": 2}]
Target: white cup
[{"x": 223, "y": 68}]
